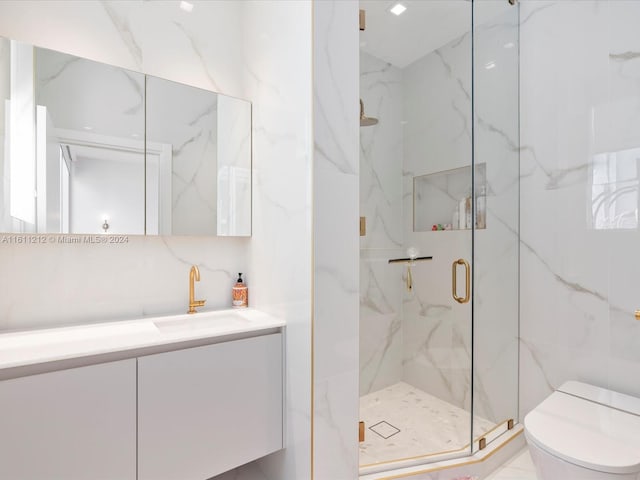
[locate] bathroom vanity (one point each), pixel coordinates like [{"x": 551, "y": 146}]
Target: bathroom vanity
[{"x": 166, "y": 398}]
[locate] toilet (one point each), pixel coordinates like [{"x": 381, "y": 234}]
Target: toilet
[{"x": 583, "y": 432}]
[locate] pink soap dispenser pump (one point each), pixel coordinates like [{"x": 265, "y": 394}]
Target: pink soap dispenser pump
[{"x": 240, "y": 294}]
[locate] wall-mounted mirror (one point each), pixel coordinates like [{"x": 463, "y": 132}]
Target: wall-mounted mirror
[{"x": 108, "y": 150}]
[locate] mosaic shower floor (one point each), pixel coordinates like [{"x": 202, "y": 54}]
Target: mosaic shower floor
[{"x": 402, "y": 421}]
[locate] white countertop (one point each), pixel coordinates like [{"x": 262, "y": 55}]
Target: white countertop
[{"x": 18, "y": 349}]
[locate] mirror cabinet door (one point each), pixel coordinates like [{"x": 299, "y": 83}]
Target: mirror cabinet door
[
  {"x": 77, "y": 158},
  {"x": 89, "y": 146}
]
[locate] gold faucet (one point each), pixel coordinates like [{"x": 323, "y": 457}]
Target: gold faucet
[{"x": 194, "y": 275}]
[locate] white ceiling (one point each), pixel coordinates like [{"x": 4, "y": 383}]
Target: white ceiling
[{"x": 425, "y": 26}]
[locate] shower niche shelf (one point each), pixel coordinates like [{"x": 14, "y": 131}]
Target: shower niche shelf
[{"x": 440, "y": 198}]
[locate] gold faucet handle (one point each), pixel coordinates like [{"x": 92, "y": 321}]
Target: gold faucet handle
[{"x": 194, "y": 304}]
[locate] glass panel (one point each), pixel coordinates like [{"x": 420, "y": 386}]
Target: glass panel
[
  {"x": 496, "y": 137},
  {"x": 198, "y": 161},
  {"x": 90, "y": 129},
  {"x": 75, "y": 160},
  {"x": 416, "y": 172}
]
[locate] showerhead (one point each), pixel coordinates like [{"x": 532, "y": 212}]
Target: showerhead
[{"x": 364, "y": 120}]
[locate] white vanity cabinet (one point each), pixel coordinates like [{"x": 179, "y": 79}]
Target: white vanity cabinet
[
  {"x": 74, "y": 424},
  {"x": 205, "y": 410}
]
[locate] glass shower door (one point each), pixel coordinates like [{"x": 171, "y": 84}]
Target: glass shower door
[
  {"x": 496, "y": 260},
  {"x": 417, "y": 200}
]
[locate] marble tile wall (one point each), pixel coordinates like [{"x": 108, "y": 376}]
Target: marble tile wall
[
  {"x": 381, "y": 205},
  {"x": 60, "y": 283},
  {"x": 580, "y": 99},
  {"x": 186, "y": 119},
  {"x": 278, "y": 44},
  {"x": 335, "y": 223},
  {"x": 437, "y": 137},
  {"x": 256, "y": 50}
]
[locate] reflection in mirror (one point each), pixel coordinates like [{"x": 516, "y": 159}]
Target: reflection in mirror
[
  {"x": 181, "y": 180},
  {"x": 200, "y": 182},
  {"x": 234, "y": 167},
  {"x": 77, "y": 158},
  {"x": 90, "y": 146}
]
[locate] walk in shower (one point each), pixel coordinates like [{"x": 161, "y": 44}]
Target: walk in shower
[{"x": 439, "y": 178}]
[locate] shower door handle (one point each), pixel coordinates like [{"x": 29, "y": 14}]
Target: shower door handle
[{"x": 454, "y": 280}]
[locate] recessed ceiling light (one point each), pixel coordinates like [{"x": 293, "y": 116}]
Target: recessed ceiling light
[
  {"x": 186, "y": 6},
  {"x": 398, "y": 9},
  {"x": 509, "y": 45},
  {"x": 135, "y": 135},
  {"x": 88, "y": 127},
  {"x": 490, "y": 65}
]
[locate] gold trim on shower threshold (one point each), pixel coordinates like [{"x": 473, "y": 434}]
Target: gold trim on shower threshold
[
  {"x": 463, "y": 464},
  {"x": 446, "y": 452}
]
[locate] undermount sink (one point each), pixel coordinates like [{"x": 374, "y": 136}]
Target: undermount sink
[
  {"x": 30, "y": 347},
  {"x": 199, "y": 321}
]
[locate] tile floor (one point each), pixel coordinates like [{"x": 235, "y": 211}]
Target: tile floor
[
  {"x": 402, "y": 421},
  {"x": 520, "y": 467}
]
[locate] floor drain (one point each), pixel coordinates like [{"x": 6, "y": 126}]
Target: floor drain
[{"x": 384, "y": 429}]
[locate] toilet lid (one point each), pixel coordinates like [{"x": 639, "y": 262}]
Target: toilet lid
[{"x": 588, "y": 426}]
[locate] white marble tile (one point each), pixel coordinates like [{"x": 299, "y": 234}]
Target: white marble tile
[
  {"x": 579, "y": 100},
  {"x": 423, "y": 424},
  {"x": 381, "y": 153},
  {"x": 228, "y": 46},
  {"x": 89, "y": 283},
  {"x": 437, "y": 137},
  {"x": 437, "y": 329},
  {"x": 335, "y": 426},
  {"x": 381, "y": 340},
  {"x": 520, "y": 467},
  {"x": 280, "y": 255},
  {"x": 186, "y": 119},
  {"x": 155, "y": 37},
  {"x": 335, "y": 224}
]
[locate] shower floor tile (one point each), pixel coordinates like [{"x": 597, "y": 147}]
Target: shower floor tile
[{"x": 425, "y": 424}]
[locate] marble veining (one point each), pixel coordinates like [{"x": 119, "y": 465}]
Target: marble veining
[
  {"x": 124, "y": 31},
  {"x": 45, "y": 79},
  {"x": 529, "y": 11},
  {"x": 624, "y": 56},
  {"x": 335, "y": 260},
  {"x": 135, "y": 109},
  {"x": 199, "y": 54}
]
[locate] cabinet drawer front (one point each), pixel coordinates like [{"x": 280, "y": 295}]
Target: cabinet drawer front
[
  {"x": 205, "y": 410},
  {"x": 70, "y": 425}
]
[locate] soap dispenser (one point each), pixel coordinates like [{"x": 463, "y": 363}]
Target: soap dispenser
[{"x": 240, "y": 294}]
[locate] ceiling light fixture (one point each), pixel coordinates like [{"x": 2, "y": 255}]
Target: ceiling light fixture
[
  {"x": 186, "y": 6},
  {"x": 490, "y": 65},
  {"x": 398, "y": 9},
  {"x": 509, "y": 45}
]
